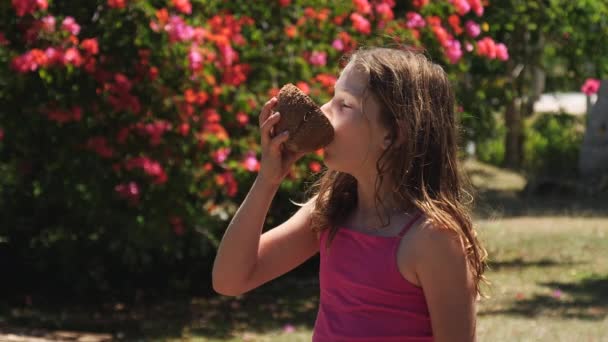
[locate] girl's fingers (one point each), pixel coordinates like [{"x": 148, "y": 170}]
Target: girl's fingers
[
  {"x": 278, "y": 140},
  {"x": 267, "y": 126},
  {"x": 267, "y": 110}
]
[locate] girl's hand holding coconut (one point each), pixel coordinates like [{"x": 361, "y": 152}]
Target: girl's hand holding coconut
[
  {"x": 276, "y": 160},
  {"x": 297, "y": 128}
]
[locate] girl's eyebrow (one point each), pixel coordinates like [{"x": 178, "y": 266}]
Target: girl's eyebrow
[{"x": 343, "y": 90}]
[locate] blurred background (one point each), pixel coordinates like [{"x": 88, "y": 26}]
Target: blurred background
[{"x": 129, "y": 137}]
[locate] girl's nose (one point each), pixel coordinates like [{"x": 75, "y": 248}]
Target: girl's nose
[{"x": 325, "y": 110}]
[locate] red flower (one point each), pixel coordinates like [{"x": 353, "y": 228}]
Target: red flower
[
  {"x": 184, "y": 129},
  {"x": 100, "y": 146},
  {"x": 291, "y": 31},
  {"x": 117, "y": 4},
  {"x": 177, "y": 225},
  {"x": 454, "y": 22},
  {"x": 236, "y": 75},
  {"x": 183, "y": 6},
  {"x": 226, "y": 180},
  {"x": 242, "y": 119},
  {"x": 314, "y": 166},
  {"x": 284, "y": 3},
  {"x": 90, "y": 46},
  {"x": 23, "y": 7},
  {"x": 303, "y": 87},
  {"x": 420, "y": 3}
]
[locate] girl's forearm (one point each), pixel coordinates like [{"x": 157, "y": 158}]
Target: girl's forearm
[{"x": 238, "y": 251}]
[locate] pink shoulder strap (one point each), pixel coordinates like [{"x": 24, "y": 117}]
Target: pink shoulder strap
[{"x": 410, "y": 223}]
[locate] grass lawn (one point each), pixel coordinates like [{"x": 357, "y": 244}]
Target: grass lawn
[{"x": 548, "y": 269}]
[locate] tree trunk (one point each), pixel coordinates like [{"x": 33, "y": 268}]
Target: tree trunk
[{"x": 514, "y": 137}]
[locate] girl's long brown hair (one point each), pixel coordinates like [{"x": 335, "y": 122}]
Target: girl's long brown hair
[{"x": 417, "y": 104}]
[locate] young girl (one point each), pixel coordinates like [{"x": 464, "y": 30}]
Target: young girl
[{"x": 400, "y": 260}]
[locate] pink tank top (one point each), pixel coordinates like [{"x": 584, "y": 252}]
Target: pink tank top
[{"x": 364, "y": 297}]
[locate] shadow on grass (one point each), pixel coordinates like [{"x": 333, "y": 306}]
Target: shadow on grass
[
  {"x": 289, "y": 300},
  {"x": 519, "y": 263},
  {"x": 493, "y": 203},
  {"x": 110, "y": 321},
  {"x": 587, "y": 299}
]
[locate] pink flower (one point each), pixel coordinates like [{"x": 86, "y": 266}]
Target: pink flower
[
  {"x": 468, "y": 46},
  {"x": 591, "y": 86},
  {"x": 178, "y": 30},
  {"x": 70, "y": 25},
  {"x": 129, "y": 191},
  {"x": 453, "y": 50},
  {"x": 288, "y": 328},
  {"x": 72, "y": 56},
  {"x": 1, "y": 134},
  {"x": 48, "y": 24},
  {"x": 501, "y": 52},
  {"x": 220, "y": 155},
  {"x": 250, "y": 162},
  {"x": 195, "y": 59},
  {"x": 462, "y": 6},
  {"x": 362, "y": 6},
  {"x": 486, "y": 47},
  {"x": 54, "y": 56},
  {"x": 385, "y": 11},
  {"x": 242, "y": 119},
  {"x": 360, "y": 23},
  {"x": 338, "y": 44},
  {"x": 557, "y": 294},
  {"x": 229, "y": 55},
  {"x": 150, "y": 167},
  {"x": 473, "y": 30},
  {"x": 414, "y": 20},
  {"x": 318, "y": 58}
]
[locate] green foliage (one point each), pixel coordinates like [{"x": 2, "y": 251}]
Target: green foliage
[
  {"x": 491, "y": 150},
  {"x": 552, "y": 145}
]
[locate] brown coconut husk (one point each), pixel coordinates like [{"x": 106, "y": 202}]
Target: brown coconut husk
[{"x": 309, "y": 130}]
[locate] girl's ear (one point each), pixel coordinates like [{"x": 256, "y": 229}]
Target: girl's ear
[
  {"x": 387, "y": 141},
  {"x": 388, "y": 138}
]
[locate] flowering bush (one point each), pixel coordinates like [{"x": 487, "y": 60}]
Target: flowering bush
[
  {"x": 129, "y": 134},
  {"x": 591, "y": 86}
]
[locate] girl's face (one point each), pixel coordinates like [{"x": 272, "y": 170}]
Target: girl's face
[{"x": 354, "y": 114}]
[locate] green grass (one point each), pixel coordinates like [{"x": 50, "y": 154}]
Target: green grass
[{"x": 548, "y": 269}]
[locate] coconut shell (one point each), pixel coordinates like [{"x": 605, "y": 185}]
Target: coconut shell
[{"x": 309, "y": 129}]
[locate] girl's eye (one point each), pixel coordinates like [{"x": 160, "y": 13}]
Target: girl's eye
[{"x": 344, "y": 105}]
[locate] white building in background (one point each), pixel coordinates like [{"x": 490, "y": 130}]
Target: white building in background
[{"x": 571, "y": 103}]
